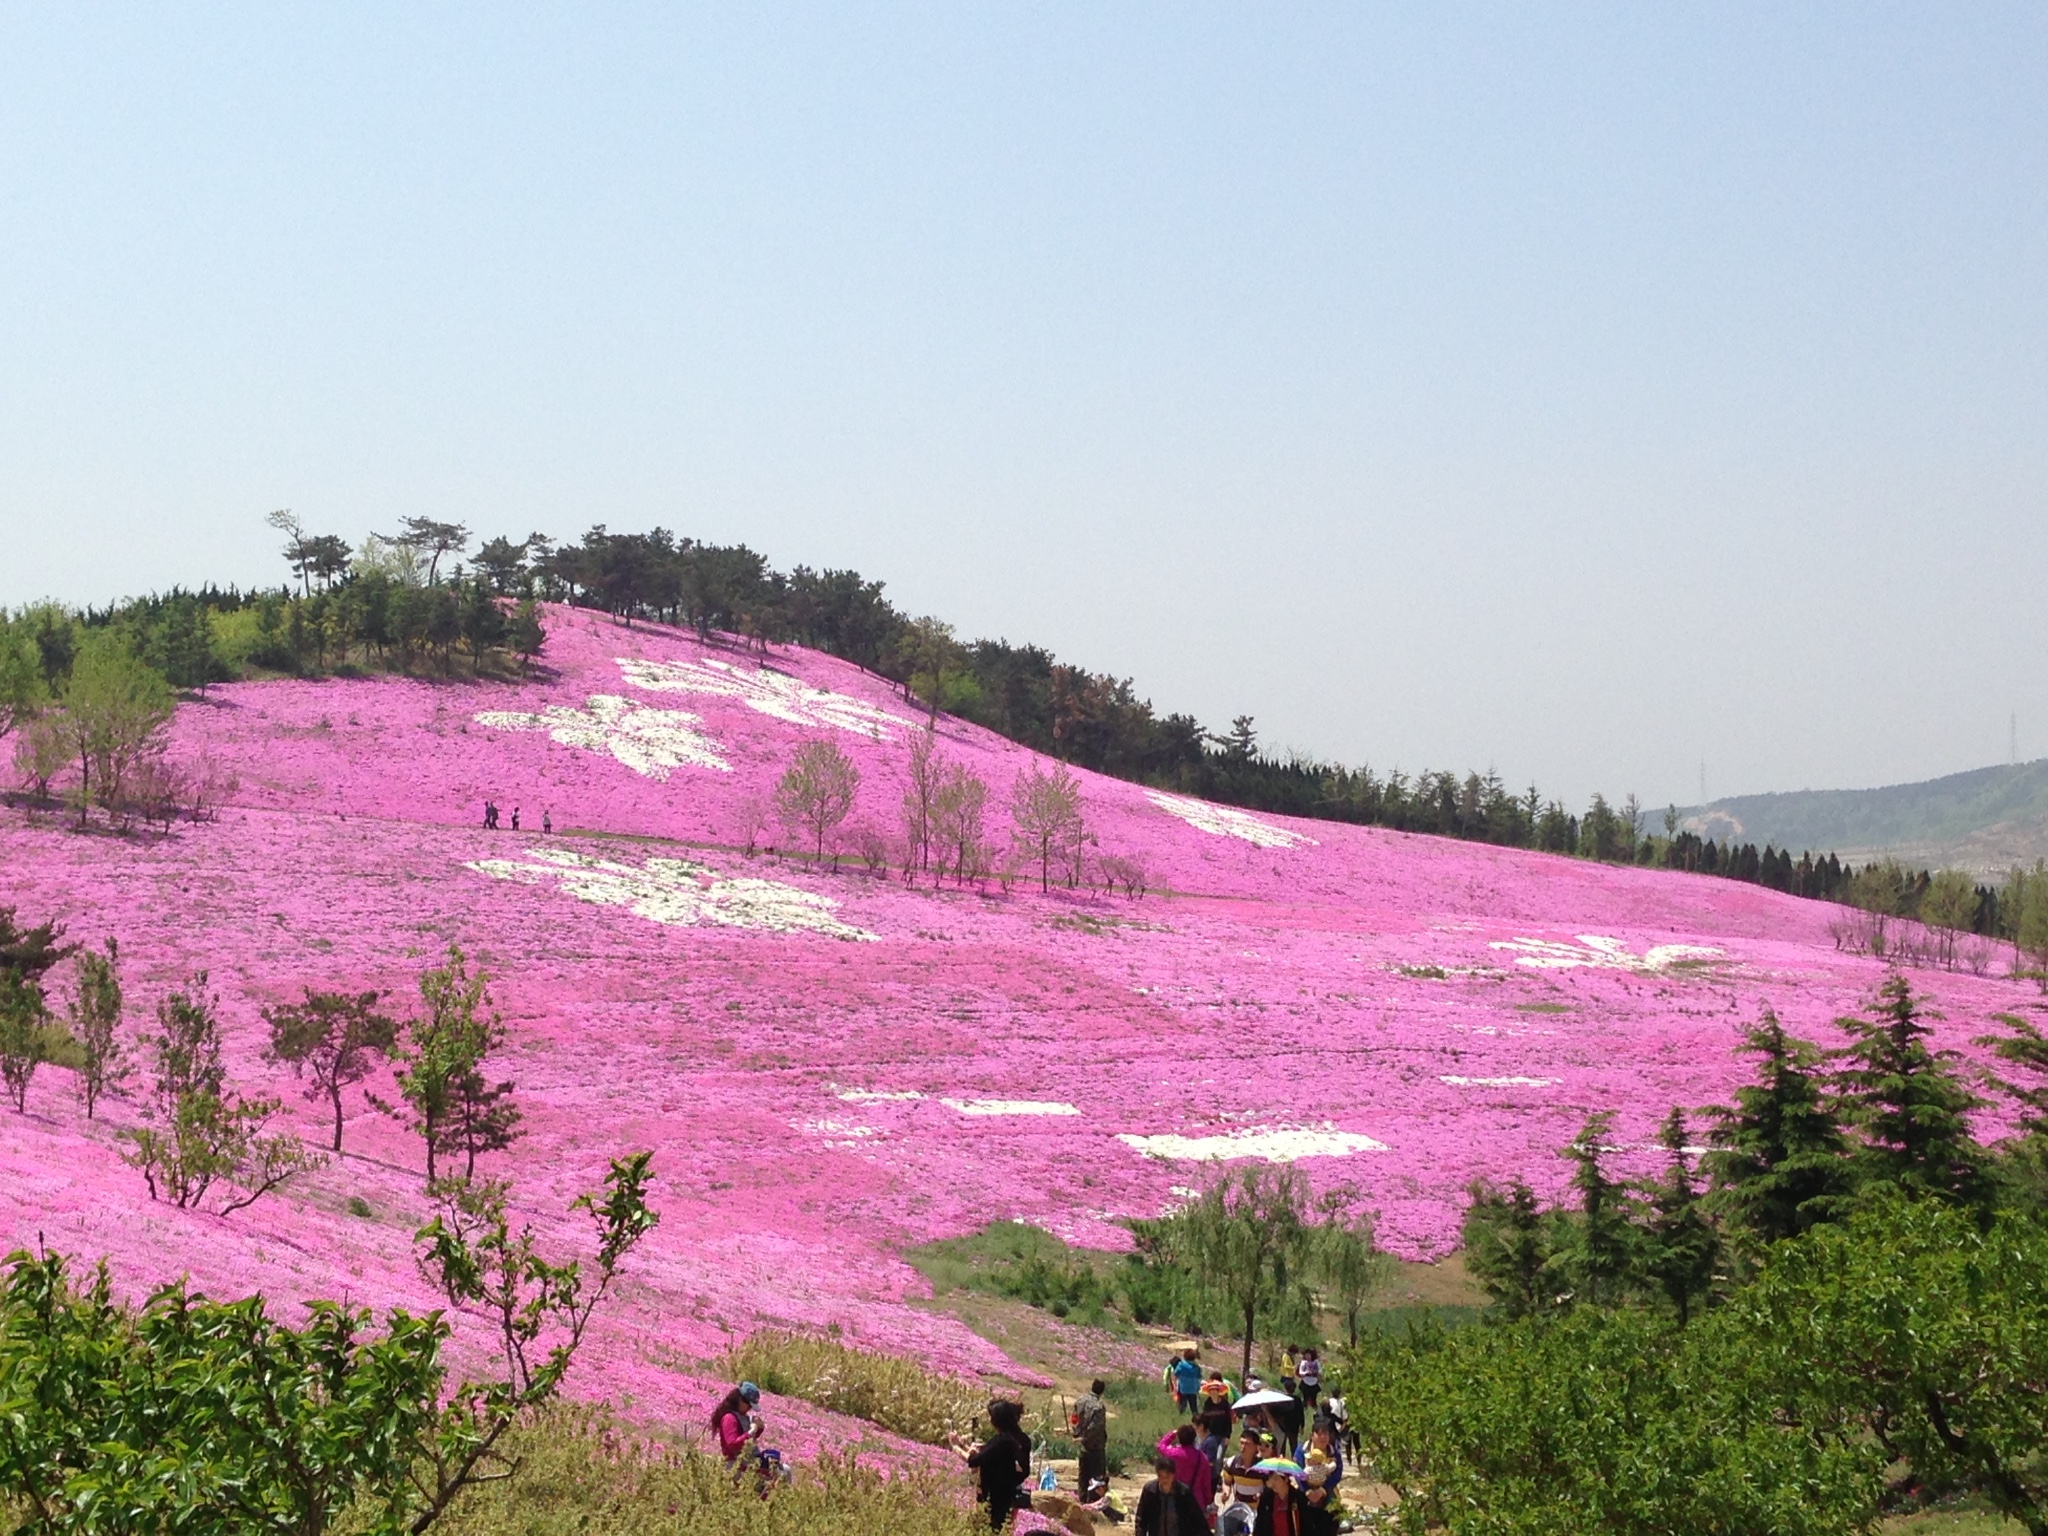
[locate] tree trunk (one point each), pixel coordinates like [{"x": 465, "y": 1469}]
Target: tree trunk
[
  {"x": 1245, "y": 1371},
  {"x": 336, "y": 1091}
]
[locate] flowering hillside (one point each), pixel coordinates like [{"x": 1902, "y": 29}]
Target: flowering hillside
[{"x": 830, "y": 1066}]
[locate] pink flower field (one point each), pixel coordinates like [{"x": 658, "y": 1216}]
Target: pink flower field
[{"x": 832, "y": 1066}]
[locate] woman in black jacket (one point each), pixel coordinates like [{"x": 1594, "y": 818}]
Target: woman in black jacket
[
  {"x": 1167, "y": 1505},
  {"x": 1003, "y": 1460}
]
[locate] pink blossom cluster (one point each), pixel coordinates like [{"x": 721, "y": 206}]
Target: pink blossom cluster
[{"x": 832, "y": 1066}]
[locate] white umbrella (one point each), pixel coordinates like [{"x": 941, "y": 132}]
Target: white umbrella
[{"x": 1263, "y": 1399}]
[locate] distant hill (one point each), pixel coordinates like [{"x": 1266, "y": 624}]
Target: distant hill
[{"x": 1985, "y": 820}]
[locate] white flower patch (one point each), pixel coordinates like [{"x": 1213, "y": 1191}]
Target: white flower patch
[
  {"x": 1275, "y": 1146},
  {"x": 676, "y": 892},
  {"x": 876, "y": 1095},
  {"x": 1225, "y": 822},
  {"x": 775, "y": 694},
  {"x": 1597, "y": 952},
  {"x": 1498, "y": 1082},
  {"x": 1008, "y": 1107},
  {"x": 648, "y": 741}
]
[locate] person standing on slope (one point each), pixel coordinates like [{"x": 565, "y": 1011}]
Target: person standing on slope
[
  {"x": 1187, "y": 1381},
  {"x": 1091, "y": 1429},
  {"x": 1003, "y": 1460}
]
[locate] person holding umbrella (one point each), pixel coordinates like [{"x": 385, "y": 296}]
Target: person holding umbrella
[{"x": 1282, "y": 1509}]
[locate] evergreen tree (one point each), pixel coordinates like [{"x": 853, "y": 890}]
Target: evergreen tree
[
  {"x": 1510, "y": 1248},
  {"x": 1779, "y": 1163},
  {"x": 1908, "y": 1105},
  {"x": 1682, "y": 1245},
  {"x": 1602, "y": 1252}
]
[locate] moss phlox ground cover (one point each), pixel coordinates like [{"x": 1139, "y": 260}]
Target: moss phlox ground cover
[{"x": 830, "y": 1066}]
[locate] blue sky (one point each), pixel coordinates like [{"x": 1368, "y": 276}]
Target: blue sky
[{"x": 1584, "y": 392}]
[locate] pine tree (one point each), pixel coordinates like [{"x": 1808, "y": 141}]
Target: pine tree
[
  {"x": 1602, "y": 1253},
  {"x": 1908, "y": 1104},
  {"x": 1682, "y": 1245},
  {"x": 1779, "y": 1163},
  {"x": 1510, "y": 1248}
]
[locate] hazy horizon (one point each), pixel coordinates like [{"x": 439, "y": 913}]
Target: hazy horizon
[{"x": 1586, "y": 395}]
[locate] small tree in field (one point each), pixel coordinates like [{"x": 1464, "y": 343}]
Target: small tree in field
[
  {"x": 923, "y": 773},
  {"x": 95, "y": 1021},
  {"x": 201, "y": 1133},
  {"x": 1348, "y": 1263},
  {"x": 1248, "y": 1241},
  {"x": 455, "y": 1109},
  {"x": 332, "y": 1039},
  {"x": 959, "y": 828},
  {"x": 817, "y": 791},
  {"x": 24, "y": 1035},
  {"x": 1045, "y": 815}
]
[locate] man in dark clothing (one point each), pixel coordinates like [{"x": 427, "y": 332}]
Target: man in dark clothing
[
  {"x": 1167, "y": 1507},
  {"x": 1091, "y": 1429}
]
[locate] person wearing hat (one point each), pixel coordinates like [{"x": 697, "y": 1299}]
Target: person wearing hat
[{"x": 736, "y": 1424}]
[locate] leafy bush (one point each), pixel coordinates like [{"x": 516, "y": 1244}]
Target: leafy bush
[{"x": 900, "y": 1395}]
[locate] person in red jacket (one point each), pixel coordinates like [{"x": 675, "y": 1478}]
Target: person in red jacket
[{"x": 734, "y": 1423}]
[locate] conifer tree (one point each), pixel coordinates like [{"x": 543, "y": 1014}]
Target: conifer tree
[
  {"x": 1602, "y": 1253},
  {"x": 1779, "y": 1163},
  {"x": 1682, "y": 1245},
  {"x": 1509, "y": 1248},
  {"x": 1908, "y": 1105}
]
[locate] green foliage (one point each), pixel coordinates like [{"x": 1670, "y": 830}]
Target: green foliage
[
  {"x": 1778, "y": 1161},
  {"x": 1909, "y": 1105},
  {"x": 902, "y": 1396},
  {"x": 1681, "y": 1246},
  {"x": 23, "y": 689},
  {"x": 199, "y": 1132},
  {"x": 1600, "y": 1420},
  {"x": 194, "y": 1416},
  {"x": 114, "y": 710},
  {"x": 1046, "y": 821},
  {"x": 1510, "y": 1249},
  {"x": 1248, "y": 1242},
  {"x": 1346, "y": 1262},
  {"x": 816, "y": 791},
  {"x": 1912, "y": 1327},
  {"x": 24, "y": 1035},
  {"x": 450, "y": 1103}
]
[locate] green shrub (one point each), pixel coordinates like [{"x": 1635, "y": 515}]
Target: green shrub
[{"x": 900, "y": 1395}]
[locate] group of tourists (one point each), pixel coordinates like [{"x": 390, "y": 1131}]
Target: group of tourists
[{"x": 1278, "y": 1481}]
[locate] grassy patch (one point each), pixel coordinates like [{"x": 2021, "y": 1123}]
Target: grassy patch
[
  {"x": 578, "y": 1472},
  {"x": 1083, "y": 1285},
  {"x": 1543, "y": 1007},
  {"x": 900, "y": 1395},
  {"x": 1423, "y": 972}
]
